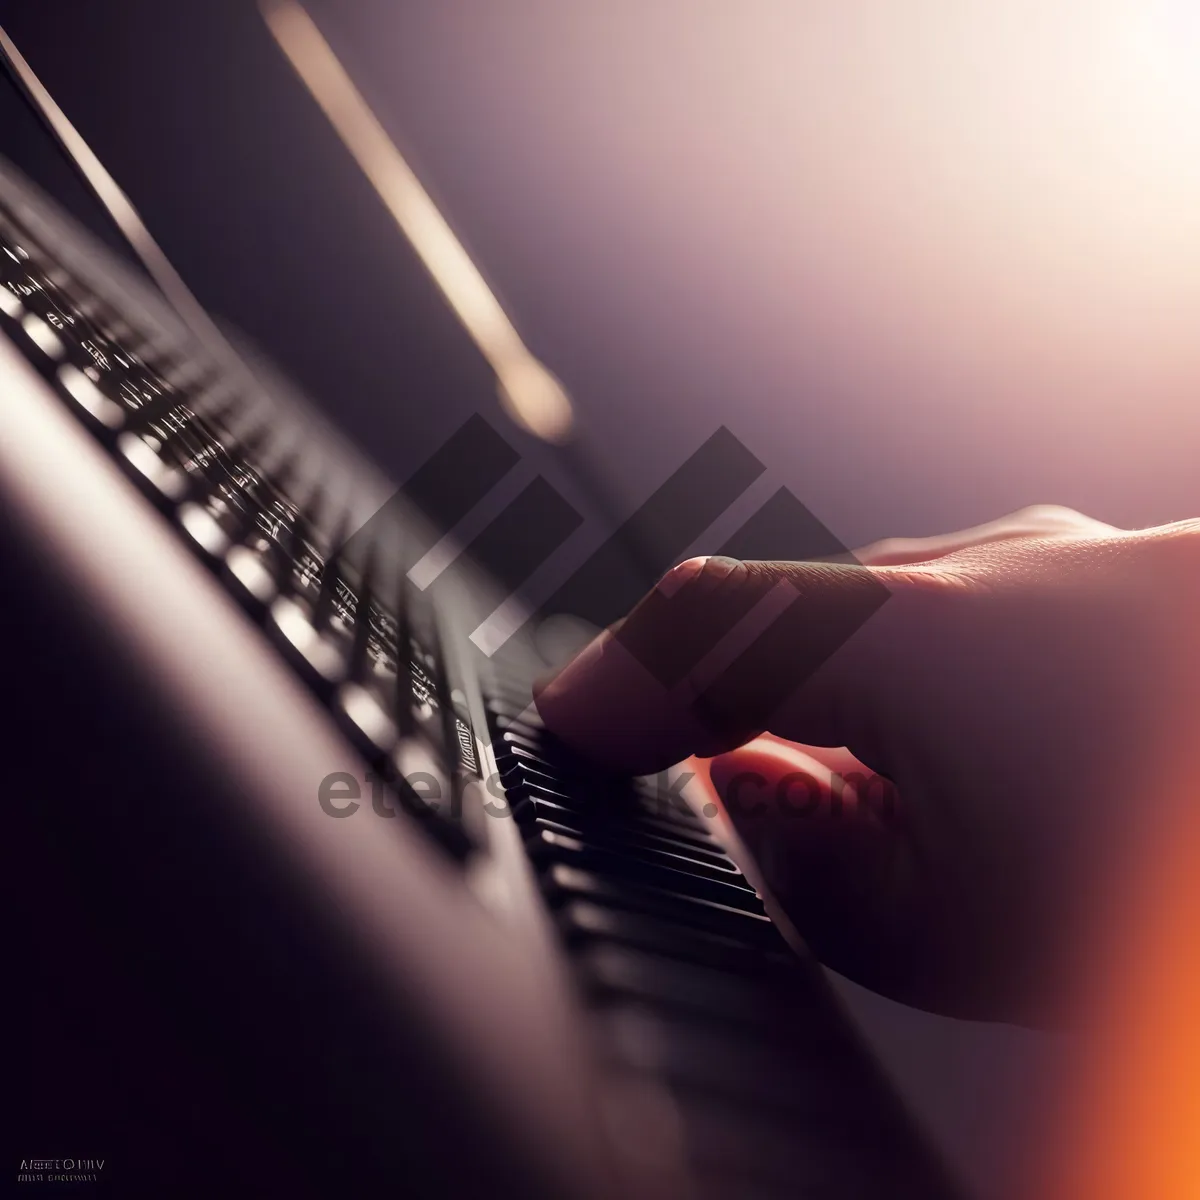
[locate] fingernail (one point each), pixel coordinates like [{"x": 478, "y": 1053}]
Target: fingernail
[{"x": 676, "y": 577}]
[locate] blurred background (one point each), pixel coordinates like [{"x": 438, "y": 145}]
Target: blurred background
[{"x": 930, "y": 260}]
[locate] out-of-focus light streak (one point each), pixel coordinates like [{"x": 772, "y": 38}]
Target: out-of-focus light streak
[{"x": 530, "y": 393}]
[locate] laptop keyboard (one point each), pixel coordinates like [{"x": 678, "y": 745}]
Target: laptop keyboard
[
  {"x": 242, "y": 500},
  {"x": 689, "y": 984}
]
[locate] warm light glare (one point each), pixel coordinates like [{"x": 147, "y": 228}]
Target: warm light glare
[
  {"x": 1133, "y": 1128},
  {"x": 530, "y": 394}
]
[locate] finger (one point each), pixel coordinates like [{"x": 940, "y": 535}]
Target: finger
[
  {"x": 704, "y": 660},
  {"x": 1034, "y": 521},
  {"x": 833, "y": 854},
  {"x": 837, "y": 759},
  {"x": 836, "y": 855}
]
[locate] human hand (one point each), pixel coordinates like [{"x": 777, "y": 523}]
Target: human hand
[{"x": 1023, "y": 692}]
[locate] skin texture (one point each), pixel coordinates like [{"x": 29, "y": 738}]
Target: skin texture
[{"x": 1012, "y": 698}]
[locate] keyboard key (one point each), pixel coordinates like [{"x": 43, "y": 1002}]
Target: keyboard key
[
  {"x": 620, "y": 834},
  {"x": 614, "y": 799},
  {"x": 670, "y": 872},
  {"x": 589, "y": 817},
  {"x": 563, "y": 883},
  {"x": 582, "y": 923},
  {"x": 612, "y": 836}
]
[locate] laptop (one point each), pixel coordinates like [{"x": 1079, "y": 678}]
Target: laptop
[{"x": 308, "y": 901}]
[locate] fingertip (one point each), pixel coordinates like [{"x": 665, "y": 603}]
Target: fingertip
[
  {"x": 630, "y": 700},
  {"x": 677, "y": 576},
  {"x": 767, "y": 757},
  {"x": 725, "y": 767},
  {"x": 607, "y": 707}
]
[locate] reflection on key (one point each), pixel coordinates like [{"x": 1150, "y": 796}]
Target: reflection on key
[
  {"x": 250, "y": 570},
  {"x": 168, "y": 480},
  {"x": 368, "y": 715},
  {"x": 88, "y": 396},
  {"x": 204, "y": 529},
  {"x": 293, "y": 623}
]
